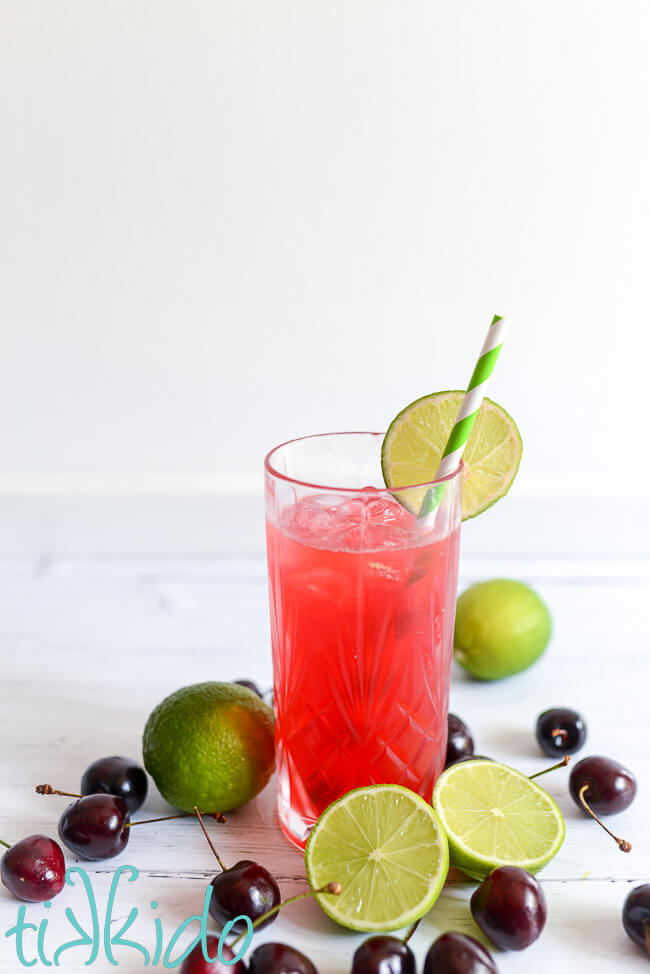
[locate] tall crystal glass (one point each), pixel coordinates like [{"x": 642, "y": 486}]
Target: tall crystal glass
[{"x": 362, "y": 603}]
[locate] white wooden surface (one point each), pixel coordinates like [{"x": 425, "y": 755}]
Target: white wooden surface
[{"x": 89, "y": 647}]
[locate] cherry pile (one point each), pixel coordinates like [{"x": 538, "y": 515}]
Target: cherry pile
[
  {"x": 33, "y": 869},
  {"x": 275, "y": 958},
  {"x": 269, "y": 958},
  {"x": 598, "y": 785},
  {"x": 195, "y": 962},
  {"x": 460, "y": 743},
  {"x": 509, "y": 905},
  {"x": 96, "y": 826},
  {"x": 458, "y": 953},
  {"x": 116, "y": 776},
  {"x": 560, "y": 731},
  {"x": 636, "y": 916},
  {"x": 384, "y": 955},
  {"x": 510, "y": 908},
  {"x": 606, "y": 785},
  {"x": 266, "y": 695},
  {"x": 245, "y": 889}
]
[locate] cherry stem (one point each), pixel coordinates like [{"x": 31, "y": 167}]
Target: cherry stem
[
  {"x": 150, "y": 821},
  {"x": 623, "y": 844},
  {"x": 209, "y": 840},
  {"x": 49, "y": 790},
  {"x": 411, "y": 932},
  {"x": 561, "y": 764},
  {"x": 335, "y": 889},
  {"x": 5, "y": 844}
]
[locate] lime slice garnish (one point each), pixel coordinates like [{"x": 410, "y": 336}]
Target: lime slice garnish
[
  {"x": 386, "y": 847},
  {"x": 416, "y": 438},
  {"x": 495, "y": 816}
]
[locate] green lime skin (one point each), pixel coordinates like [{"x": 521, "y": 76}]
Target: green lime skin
[
  {"x": 502, "y": 627},
  {"x": 210, "y": 745}
]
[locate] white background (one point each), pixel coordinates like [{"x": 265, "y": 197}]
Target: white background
[{"x": 224, "y": 224}]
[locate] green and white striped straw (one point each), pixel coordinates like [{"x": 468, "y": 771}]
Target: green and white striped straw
[{"x": 466, "y": 417}]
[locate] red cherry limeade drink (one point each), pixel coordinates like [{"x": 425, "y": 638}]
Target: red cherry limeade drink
[{"x": 362, "y": 614}]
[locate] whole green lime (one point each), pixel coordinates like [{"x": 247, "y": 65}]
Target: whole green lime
[
  {"x": 502, "y": 627},
  {"x": 210, "y": 745}
]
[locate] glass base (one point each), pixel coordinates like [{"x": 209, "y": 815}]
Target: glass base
[{"x": 294, "y": 826}]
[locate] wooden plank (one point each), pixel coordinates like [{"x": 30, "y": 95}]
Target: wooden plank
[
  {"x": 583, "y": 928},
  {"x": 89, "y": 647}
]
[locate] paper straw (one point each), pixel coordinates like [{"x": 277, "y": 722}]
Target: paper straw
[{"x": 466, "y": 417}]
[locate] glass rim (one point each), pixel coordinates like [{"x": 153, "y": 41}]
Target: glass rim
[{"x": 270, "y": 469}]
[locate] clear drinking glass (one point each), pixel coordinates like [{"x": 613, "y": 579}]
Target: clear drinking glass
[{"x": 362, "y": 602}]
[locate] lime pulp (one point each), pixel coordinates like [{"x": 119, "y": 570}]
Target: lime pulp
[
  {"x": 496, "y": 816},
  {"x": 415, "y": 441},
  {"x": 386, "y": 847}
]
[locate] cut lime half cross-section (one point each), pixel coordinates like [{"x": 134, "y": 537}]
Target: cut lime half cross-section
[
  {"x": 416, "y": 438},
  {"x": 496, "y": 816},
  {"x": 387, "y": 849}
]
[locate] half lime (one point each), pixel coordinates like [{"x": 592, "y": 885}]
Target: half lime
[
  {"x": 386, "y": 847},
  {"x": 496, "y": 816},
  {"x": 416, "y": 438}
]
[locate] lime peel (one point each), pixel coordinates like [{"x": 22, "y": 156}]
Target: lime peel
[
  {"x": 415, "y": 441},
  {"x": 502, "y": 627},
  {"x": 210, "y": 745},
  {"x": 495, "y": 816},
  {"x": 387, "y": 848}
]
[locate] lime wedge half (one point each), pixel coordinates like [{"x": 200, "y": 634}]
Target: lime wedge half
[
  {"x": 495, "y": 816},
  {"x": 416, "y": 438},
  {"x": 387, "y": 849}
]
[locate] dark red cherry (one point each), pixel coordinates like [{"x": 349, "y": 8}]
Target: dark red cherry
[
  {"x": 245, "y": 888},
  {"x": 606, "y": 785},
  {"x": 636, "y": 916},
  {"x": 383, "y": 955},
  {"x": 251, "y": 686},
  {"x": 457, "y": 953},
  {"x": 560, "y": 731},
  {"x": 195, "y": 962},
  {"x": 460, "y": 743},
  {"x": 116, "y": 776},
  {"x": 95, "y": 826},
  {"x": 510, "y": 907},
  {"x": 275, "y": 958},
  {"x": 33, "y": 869}
]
